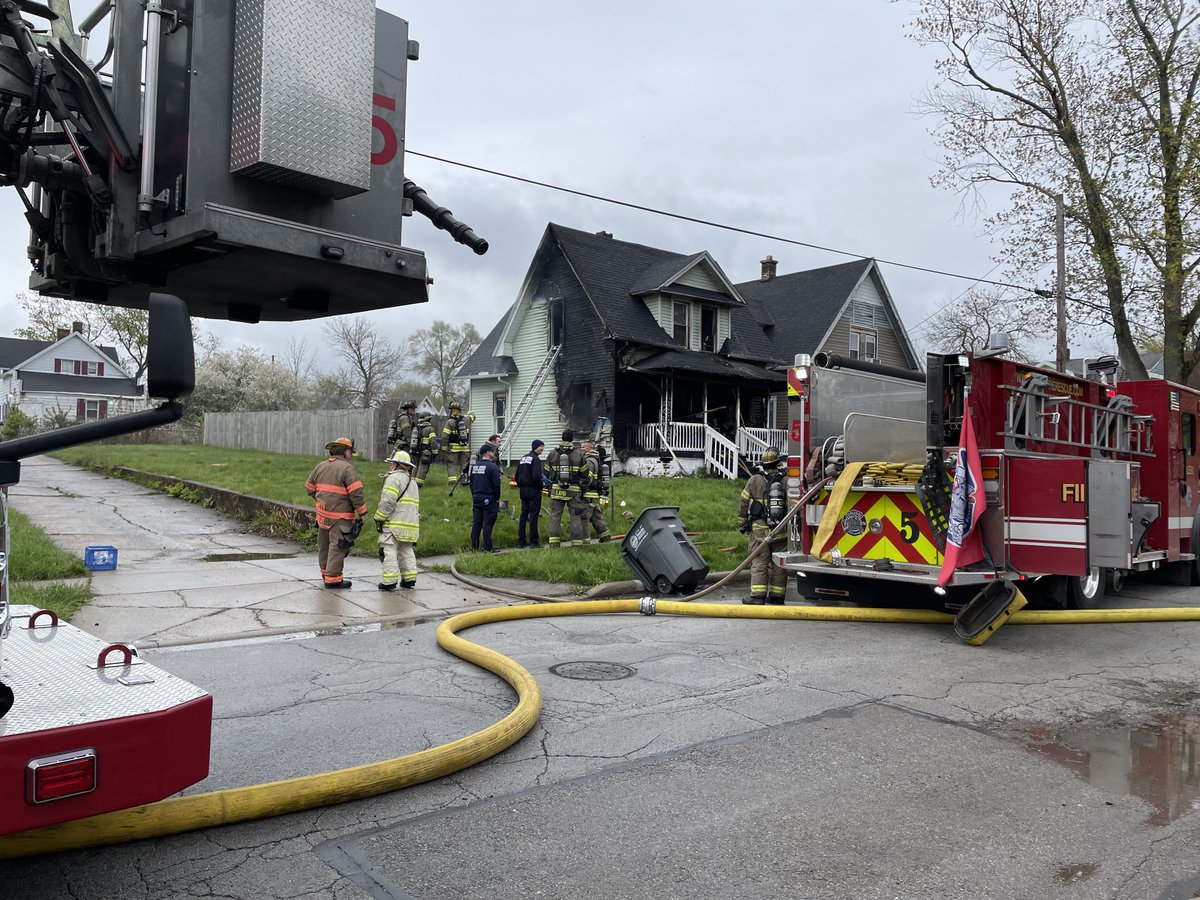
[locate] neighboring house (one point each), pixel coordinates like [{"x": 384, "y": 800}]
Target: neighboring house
[
  {"x": 69, "y": 378},
  {"x": 688, "y": 366}
]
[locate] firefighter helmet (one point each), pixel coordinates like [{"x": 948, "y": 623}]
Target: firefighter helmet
[
  {"x": 341, "y": 445},
  {"x": 409, "y": 404},
  {"x": 454, "y": 404},
  {"x": 471, "y": 415},
  {"x": 401, "y": 458},
  {"x": 771, "y": 458}
]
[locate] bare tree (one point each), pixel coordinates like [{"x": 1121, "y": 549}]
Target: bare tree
[
  {"x": 438, "y": 352},
  {"x": 299, "y": 357},
  {"x": 371, "y": 363},
  {"x": 1094, "y": 100},
  {"x": 971, "y": 321}
]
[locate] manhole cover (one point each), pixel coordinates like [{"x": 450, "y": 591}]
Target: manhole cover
[{"x": 591, "y": 670}]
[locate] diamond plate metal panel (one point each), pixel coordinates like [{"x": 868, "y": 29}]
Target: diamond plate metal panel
[
  {"x": 60, "y": 657},
  {"x": 303, "y": 72}
]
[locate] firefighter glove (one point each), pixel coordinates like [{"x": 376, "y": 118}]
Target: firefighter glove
[{"x": 379, "y": 525}]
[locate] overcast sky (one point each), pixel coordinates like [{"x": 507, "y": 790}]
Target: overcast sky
[{"x": 794, "y": 118}]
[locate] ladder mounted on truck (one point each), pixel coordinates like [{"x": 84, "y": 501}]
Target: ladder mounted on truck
[{"x": 1034, "y": 415}]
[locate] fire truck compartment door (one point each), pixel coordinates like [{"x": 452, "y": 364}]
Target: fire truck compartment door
[
  {"x": 1110, "y": 514},
  {"x": 884, "y": 439},
  {"x": 1046, "y": 508}
]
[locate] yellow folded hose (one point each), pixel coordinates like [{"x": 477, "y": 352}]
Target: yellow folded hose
[{"x": 260, "y": 801}]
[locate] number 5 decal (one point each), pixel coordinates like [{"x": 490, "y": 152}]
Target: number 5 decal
[
  {"x": 797, "y": 432},
  {"x": 390, "y": 142},
  {"x": 908, "y": 527}
]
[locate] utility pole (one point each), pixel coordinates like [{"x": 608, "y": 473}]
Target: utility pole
[{"x": 1061, "y": 353}]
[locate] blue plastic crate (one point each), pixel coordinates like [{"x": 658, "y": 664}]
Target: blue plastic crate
[{"x": 100, "y": 559}]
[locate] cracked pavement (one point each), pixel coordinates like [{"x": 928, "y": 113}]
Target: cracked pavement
[{"x": 743, "y": 759}]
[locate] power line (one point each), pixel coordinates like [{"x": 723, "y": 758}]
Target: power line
[
  {"x": 771, "y": 237},
  {"x": 710, "y": 223}
]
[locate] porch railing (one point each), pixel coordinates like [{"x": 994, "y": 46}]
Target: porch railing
[{"x": 720, "y": 453}]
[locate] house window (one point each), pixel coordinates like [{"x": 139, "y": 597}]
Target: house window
[
  {"x": 87, "y": 410},
  {"x": 555, "y": 310},
  {"x": 78, "y": 367},
  {"x": 862, "y": 345},
  {"x": 681, "y": 323},
  {"x": 708, "y": 328},
  {"x": 499, "y": 410}
]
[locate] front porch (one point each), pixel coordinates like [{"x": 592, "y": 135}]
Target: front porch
[{"x": 683, "y": 447}]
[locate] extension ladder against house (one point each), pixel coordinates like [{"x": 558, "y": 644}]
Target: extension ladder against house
[{"x": 535, "y": 386}]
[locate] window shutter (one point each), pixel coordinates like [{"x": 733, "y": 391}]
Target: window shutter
[
  {"x": 103, "y": 407},
  {"x": 100, "y": 371},
  {"x": 79, "y": 367},
  {"x": 57, "y": 365},
  {"x": 80, "y": 409}
]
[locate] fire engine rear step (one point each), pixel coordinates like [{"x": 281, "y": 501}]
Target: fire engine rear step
[{"x": 987, "y": 611}]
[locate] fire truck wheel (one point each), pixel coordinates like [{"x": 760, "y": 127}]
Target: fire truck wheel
[{"x": 1087, "y": 591}]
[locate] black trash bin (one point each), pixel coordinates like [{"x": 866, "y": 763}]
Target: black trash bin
[{"x": 661, "y": 554}]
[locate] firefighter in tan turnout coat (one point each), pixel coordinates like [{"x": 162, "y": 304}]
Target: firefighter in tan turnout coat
[
  {"x": 398, "y": 521},
  {"x": 338, "y": 491},
  {"x": 762, "y": 505}
]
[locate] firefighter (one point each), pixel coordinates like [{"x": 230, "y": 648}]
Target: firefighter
[
  {"x": 763, "y": 504},
  {"x": 338, "y": 491},
  {"x": 400, "y": 428},
  {"x": 422, "y": 447},
  {"x": 398, "y": 521},
  {"x": 589, "y": 487},
  {"x": 456, "y": 436},
  {"x": 529, "y": 481},
  {"x": 562, "y": 464}
]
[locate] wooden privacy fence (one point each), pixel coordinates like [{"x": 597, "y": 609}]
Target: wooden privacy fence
[{"x": 303, "y": 433}]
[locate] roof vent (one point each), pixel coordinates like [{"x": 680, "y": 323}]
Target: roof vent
[{"x": 607, "y": 234}]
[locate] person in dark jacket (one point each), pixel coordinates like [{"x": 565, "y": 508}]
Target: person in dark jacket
[
  {"x": 529, "y": 482},
  {"x": 485, "y": 491}
]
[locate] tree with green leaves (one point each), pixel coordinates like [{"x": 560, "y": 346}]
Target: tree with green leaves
[
  {"x": 1094, "y": 100},
  {"x": 439, "y": 351}
]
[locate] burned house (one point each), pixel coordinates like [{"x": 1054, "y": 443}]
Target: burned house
[{"x": 688, "y": 366}]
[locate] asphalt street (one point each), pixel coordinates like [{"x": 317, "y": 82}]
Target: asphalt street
[{"x": 694, "y": 757}]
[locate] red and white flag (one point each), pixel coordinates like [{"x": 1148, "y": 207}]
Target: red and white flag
[{"x": 964, "y": 543}]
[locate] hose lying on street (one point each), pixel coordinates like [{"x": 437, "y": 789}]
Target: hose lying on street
[{"x": 232, "y": 805}]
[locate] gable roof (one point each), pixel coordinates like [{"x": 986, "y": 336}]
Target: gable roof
[
  {"x": 608, "y": 270},
  {"x": 15, "y": 352},
  {"x": 804, "y": 305}
]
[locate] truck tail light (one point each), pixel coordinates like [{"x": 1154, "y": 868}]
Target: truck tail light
[
  {"x": 60, "y": 776},
  {"x": 795, "y": 470}
]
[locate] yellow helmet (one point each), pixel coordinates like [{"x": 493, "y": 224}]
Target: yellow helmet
[
  {"x": 341, "y": 445},
  {"x": 771, "y": 458},
  {"x": 471, "y": 415},
  {"x": 401, "y": 458}
]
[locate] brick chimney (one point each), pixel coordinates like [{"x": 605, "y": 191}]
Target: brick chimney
[
  {"x": 604, "y": 234},
  {"x": 77, "y": 327},
  {"x": 769, "y": 265},
  {"x": 63, "y": 332}
]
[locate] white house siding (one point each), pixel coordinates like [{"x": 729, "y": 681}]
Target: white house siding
[
  {"x": 543, "y": 421},
  {"x": 480, "y": 403},
  {"x": 699, "y": 276},
  {"x": 723, "y": 317}
]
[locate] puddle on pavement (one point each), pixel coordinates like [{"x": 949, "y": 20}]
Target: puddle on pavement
[
  {"x": 1156, "y": 762},
  {"x": 244, "y": 557}
]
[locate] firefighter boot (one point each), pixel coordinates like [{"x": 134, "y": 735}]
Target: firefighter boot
[
  {"x": 339, "y": 585},
  {"x": 754, "y": 601},
  {"x": 383, "y": 586}
]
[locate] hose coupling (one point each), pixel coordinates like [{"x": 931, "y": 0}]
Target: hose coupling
[{"x": 647, "y": 606}]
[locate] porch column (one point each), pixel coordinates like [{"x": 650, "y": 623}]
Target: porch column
[{"x": 666, "y": 406}]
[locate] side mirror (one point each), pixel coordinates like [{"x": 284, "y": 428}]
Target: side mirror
[{"x": 170, "y": 355}]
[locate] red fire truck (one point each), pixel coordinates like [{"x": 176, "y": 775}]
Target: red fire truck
[{"x": 1084, "y": 481}]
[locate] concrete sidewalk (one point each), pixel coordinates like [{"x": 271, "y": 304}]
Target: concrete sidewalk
[{"x": 187, "y": 574}]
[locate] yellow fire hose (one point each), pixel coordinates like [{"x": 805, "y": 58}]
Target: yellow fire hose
[{"x": 260, "y": 801}]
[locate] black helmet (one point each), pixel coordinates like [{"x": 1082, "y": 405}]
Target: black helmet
[{"x": 409, "y": 404}]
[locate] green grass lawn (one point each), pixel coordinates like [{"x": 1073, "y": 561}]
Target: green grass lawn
[
  {"x": 34, "y": 558},
  {"x": 706, "y": 505}
]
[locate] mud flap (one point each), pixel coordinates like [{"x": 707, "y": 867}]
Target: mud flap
[{"x": 987, "y": 611}]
